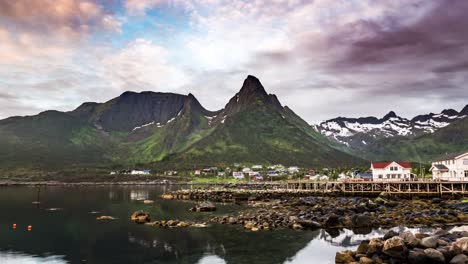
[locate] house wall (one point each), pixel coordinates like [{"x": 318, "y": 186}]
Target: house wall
[
  {"x": 458, "y": 169},
  {"x": 386, "y": 174}
]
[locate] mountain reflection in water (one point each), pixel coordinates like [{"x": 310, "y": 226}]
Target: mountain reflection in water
[{"x": 73, "y": 235}]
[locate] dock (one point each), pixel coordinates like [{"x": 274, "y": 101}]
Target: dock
[{"x": 375, "y": 188}]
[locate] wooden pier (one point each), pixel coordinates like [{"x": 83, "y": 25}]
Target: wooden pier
[{"x": 374, "y": 188}]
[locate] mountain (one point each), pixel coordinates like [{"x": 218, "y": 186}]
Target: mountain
[
  {"x": 359, "y": 133},
  {"x": 255, "y": 127},
  {"x": 166, "y": 129},
  {"x": 423, "y": 148}
]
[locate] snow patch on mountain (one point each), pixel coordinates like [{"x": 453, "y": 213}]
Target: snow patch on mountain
[{"x": 364, "y": 130}]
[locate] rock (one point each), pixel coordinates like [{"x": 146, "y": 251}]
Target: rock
[
  {"x": 429, "y": 242},
  {"x": 361, "y": 221},
  {"x": 183, "y": 224},
  {"x": 417, "y": 257},
  {"x": 366, "y": 260},
  {"x": 297, "y": 226},
  {"x": 148, "y": 201},
  {"x": 105, "y": 218},
  {"x": 309, "y": 224},
  {"x": 254, "y": 229},
  {"x": 248, "y": 225},
  {"x": 459, "y": 259},
  {"x": 375, "y": 246},
  {"x": 167, "y": 196},
  {"x": 436, "y": 200},
  {"x": 293, "y": 218},
  {"x": 204, "y": 207},
  {"x": 140, "y": 217},
  {"x": 232, "y": 220},
  {"x": 395, "y": 247},
  {"x": 390, "y": 234},
  {"x": 434, "y": 255},
  {"x": 409, "y": 239},
  {"x": 460, "y": 246},
  {"x": 363, "y": 247},
  {"x": 333, "y": 221},
  {"x": 344, "y": 257}
]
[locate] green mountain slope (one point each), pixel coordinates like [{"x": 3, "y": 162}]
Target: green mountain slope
[
  {"x": 450, "y": 139},
  {"x": 255, "y": 128},
  {"x": 167, "y": 129}
]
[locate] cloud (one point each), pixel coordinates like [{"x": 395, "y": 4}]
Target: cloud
[{"x": 65, "y": 18}]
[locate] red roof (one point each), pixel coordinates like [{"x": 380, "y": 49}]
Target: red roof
[{"x": 383, "y": 165}]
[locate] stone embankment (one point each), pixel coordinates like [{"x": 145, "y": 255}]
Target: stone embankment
[{"x": 267, "y": 210}]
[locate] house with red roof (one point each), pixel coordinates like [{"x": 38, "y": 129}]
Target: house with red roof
[{"x": 391, "y": 171}]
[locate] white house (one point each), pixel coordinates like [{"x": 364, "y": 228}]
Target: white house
[
  {"x": 452, "y": 167},
  {"x": 391, "y": 171},
  {"x": 140, "y": 172},
  {"x": 238, "y": 175}
]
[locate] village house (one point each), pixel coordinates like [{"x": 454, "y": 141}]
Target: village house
[
  {"x": 140, "y": 172},
  {"x": 391, "y": 171},
  {"x": 451, "y": 167}
]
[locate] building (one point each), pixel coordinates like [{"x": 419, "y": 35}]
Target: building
[
  {"x": 451, "y": 167},
  {"x": 238, "y": 175},
  {"x": 391, "y": 171},
  {"x": 293, "y": 169},
  {"x": 140, "y": 172}
]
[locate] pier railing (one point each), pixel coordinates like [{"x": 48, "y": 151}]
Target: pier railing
[{"x": 410, "y": 188}]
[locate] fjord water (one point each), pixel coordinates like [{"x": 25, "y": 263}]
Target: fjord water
[{"x": 65, "y": 230}]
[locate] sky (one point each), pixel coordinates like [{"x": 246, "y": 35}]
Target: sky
[{"x": 323, "y": 58}]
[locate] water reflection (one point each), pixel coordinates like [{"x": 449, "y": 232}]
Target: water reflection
[
  {"x": 211, "y": 260},
  {"x": 11, "y": 257},
  {"x": 61, "y": 232},
  {"x": 139, "y": 195}
]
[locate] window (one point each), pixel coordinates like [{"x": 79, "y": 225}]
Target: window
[
  {"x": 466, "y": 173},
  {"x": 465, "y": 162},
  {"x": 380, "y": 176}
]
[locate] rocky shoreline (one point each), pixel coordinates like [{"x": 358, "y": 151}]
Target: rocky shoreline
[
  {"x": 406, "y": 247},
  {"x": 269, "y": 209}
]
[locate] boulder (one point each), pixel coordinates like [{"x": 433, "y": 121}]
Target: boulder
[
  {"x": 167, "y": 196},
  {"x": 363, "y": 247},
  {"x": 429, "y": 242},
  {"x": 366, "y": 260},
  {"x": 297, "y": 226},
  {"x": 204, "y": 207},
  {"x": 460, "y": 246},
  {"x": 395, "y": 247},
  {"x": 459, "y": 259},
  {"x": 434, "y": 255},
  {"x": 375, "y": 246},
  {"x": 360, "y": 220},
  {"x": 409, "y": 239},
  {"x": 390, "y": 234},
  {"x": 417, "y": 257},
  {"x": 344, "y": 257},
  {"x": 333, "y": 221},
  {"x": 309, "y": 224},
  {"x": 140, "y": 217}
]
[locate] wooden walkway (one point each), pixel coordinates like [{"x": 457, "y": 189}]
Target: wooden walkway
[{"x": 370, "y": 188}]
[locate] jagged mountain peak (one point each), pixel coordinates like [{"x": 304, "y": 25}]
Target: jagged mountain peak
[
  {"x": 358, "y": 132},
  {"x": 464, "y": 111},
  {"x": 390, "y": 114},
  {"x": 449, "y": 112}
]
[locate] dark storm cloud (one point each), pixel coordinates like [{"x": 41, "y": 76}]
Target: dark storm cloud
[{"x": 441, "y": 34}]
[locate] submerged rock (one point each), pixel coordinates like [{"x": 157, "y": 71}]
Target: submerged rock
[
  {"x": 204, "y": 207},
  {"x": 105, "y": 218},
  {"x": 140, "y": 217}
]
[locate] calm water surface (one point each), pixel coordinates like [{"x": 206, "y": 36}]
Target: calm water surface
[{"x": 73, "y": 235}]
